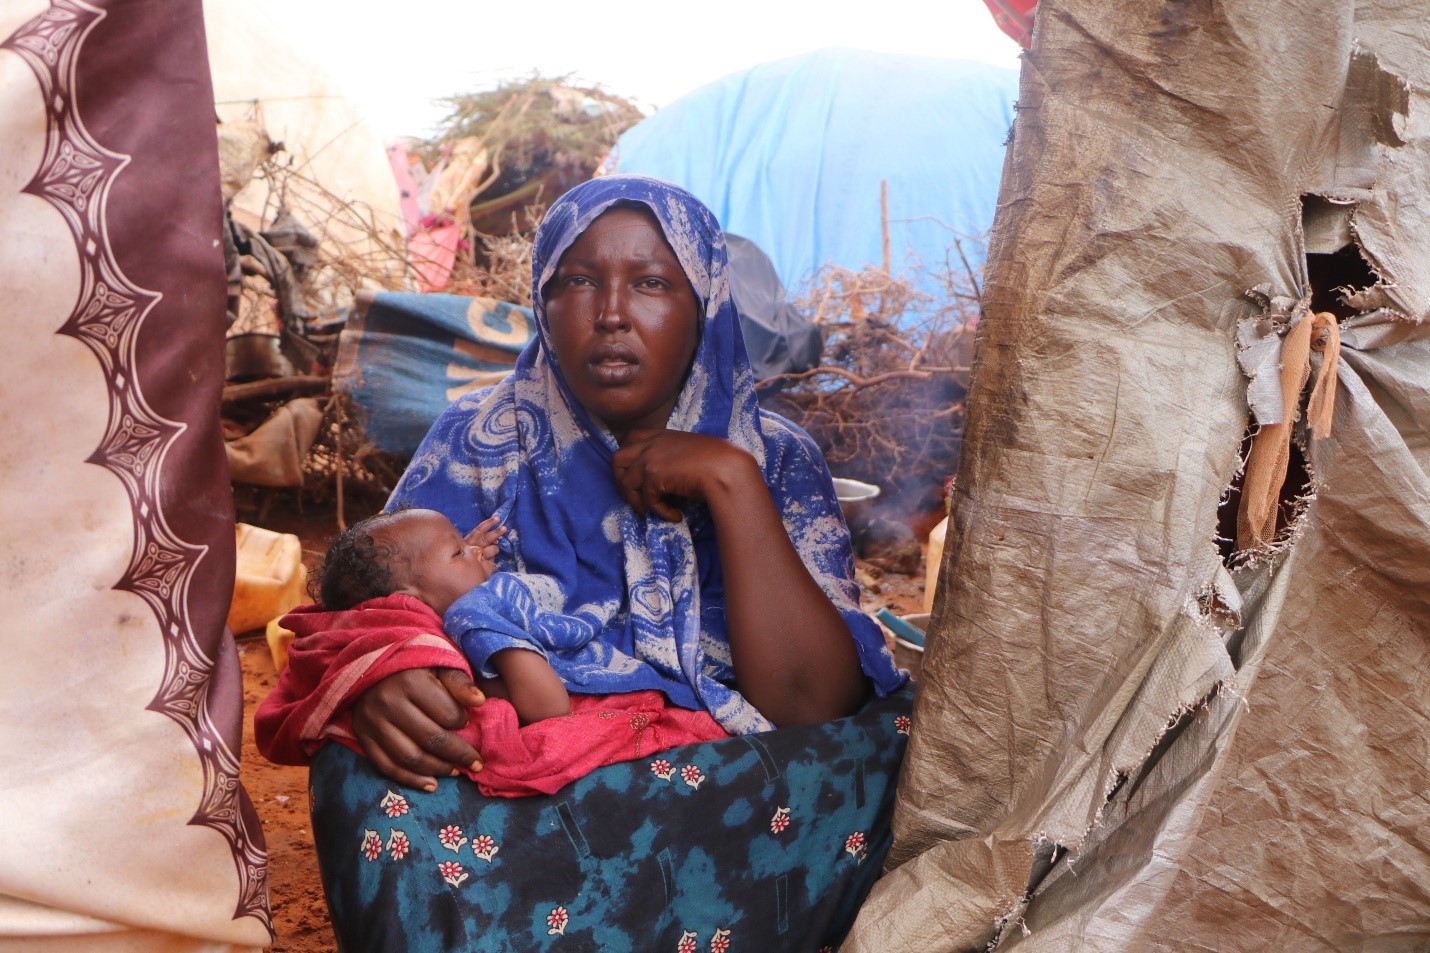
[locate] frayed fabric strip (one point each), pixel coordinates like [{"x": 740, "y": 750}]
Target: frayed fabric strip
[{"x": 1270, "y": 455}]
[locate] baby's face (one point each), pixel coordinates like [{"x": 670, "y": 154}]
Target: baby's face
[{"x": 435, "y": 563}]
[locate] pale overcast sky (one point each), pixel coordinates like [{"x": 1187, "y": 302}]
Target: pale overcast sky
[{"x": 392, "y": 58}]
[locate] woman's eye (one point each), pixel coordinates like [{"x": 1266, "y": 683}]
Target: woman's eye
[{"x": 653, "y": 284}]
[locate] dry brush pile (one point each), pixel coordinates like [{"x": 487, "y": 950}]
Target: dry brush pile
[{"x": 886, "y": 404}]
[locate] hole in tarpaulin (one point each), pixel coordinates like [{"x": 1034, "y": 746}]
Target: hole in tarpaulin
[
  {"x": 1335, "y": 269},
  {"x": 1335, "y": 266},
  {"x": 1336, "y": 275}
]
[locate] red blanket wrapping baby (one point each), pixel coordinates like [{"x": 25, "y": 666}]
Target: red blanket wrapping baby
[{"x": 339, "y": 655}]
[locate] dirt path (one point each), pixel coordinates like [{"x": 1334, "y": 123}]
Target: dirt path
[{"x": 280, "y": 794}]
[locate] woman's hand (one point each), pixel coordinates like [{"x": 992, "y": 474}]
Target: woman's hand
[
  {"x": 406, "y": 725},
  {"x": 659, "y": 471},
  {"x": 793, "y": 656}
]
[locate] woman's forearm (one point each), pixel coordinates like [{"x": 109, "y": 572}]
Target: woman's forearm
[{"x": 794, "y": 657}]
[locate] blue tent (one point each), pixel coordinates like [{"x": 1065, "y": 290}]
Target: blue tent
[{"x": 791, "y": 155}]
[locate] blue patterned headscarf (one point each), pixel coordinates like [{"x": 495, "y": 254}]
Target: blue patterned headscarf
[{"x": 616, "y": 601}]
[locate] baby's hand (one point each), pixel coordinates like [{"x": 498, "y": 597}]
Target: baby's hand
[{"x": 486, "y": 534}]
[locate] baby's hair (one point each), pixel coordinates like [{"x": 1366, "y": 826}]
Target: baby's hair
[{"x": 357, "y": 566}]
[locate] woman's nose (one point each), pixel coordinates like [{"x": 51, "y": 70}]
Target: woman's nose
[{"x": 613, "y": 306}]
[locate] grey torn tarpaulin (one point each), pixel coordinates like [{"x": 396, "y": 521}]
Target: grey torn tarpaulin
[{"x": 1104, "y": 756}]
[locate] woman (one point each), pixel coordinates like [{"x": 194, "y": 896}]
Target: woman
[{"x": 678, "y": 538}]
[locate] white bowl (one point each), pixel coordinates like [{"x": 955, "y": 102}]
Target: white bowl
[
  {"x": 854, "y": 491},
  {"x": 854, "y": 496}
]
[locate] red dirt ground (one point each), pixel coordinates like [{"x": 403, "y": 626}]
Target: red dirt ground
[
  {"x": 280, "y": 794},
  {"x": 300, "y": 916}
]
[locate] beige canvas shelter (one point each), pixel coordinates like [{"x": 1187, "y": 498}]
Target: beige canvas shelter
[
  {"x": 343, "y": 188},
  {"x": 1124, "y": 740}
]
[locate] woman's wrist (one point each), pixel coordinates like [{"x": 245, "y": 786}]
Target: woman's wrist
[{"x": 732, "y": 479}]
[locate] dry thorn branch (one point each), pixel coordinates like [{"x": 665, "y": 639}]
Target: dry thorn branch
[{"x": 886, "y": 404}]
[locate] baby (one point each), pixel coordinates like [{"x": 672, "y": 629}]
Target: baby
[
  {"x": 537, "y": 740},
  {"x": 420, "y": 553}
]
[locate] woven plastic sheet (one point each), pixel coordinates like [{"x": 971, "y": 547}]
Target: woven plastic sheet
[
  {"x": 404, "y": 357},
  {"x": 1125, "y": 739}
]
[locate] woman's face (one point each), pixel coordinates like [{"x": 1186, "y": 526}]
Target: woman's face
[{"x": 624, "y": 321}]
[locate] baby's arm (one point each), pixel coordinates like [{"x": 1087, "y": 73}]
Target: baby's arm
[{"x": 531, "y": 685}]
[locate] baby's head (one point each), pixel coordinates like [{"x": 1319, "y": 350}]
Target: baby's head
[{"x": 418, "y": 552}]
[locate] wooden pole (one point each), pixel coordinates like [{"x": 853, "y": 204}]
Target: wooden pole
[
  {"x": 339, "y": 419},
  {"x": 884, "y": 227},
  {"x": 884, "y": 220}
]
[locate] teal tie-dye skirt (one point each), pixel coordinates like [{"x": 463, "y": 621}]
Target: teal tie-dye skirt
[{"x": 757, "y": 843}]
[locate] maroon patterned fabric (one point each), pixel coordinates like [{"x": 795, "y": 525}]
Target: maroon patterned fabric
[{"x": 121, "y": 704}]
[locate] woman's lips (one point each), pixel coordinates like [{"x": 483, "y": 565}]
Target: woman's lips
[{"x": 613, "y": 366}]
